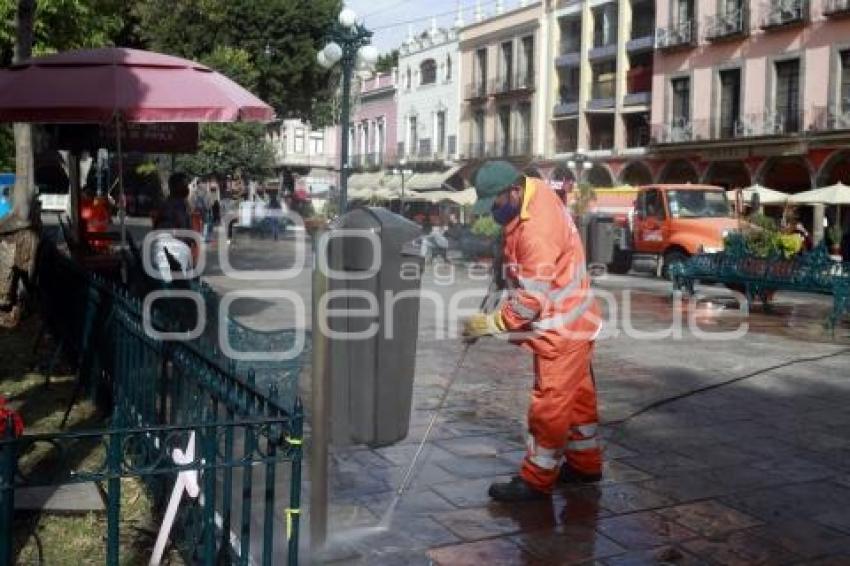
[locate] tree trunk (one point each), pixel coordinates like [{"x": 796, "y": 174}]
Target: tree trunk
[
  {"x": 20, "y": 233},
  {"x": 24, "y": 170}
]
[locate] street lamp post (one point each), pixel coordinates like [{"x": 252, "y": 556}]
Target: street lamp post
[
  {"x": 349, "y": 46},
  {"x": 403, "y": 173}
]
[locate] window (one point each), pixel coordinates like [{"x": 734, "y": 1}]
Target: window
[
  {"x": 299, "y": 140},
  {"x": 844, "y": 104},
  {"x": 504, "y": 130},
  {"x": 428, "y": 72},
  {"x": 380, "y": 138},
  {"x": 730, "y": 101},
  {"x": 441, "y": 131},
  {"x": 604, "y": 80},
  {"x": 413, "y": 134},
  {"x": 527, "y": 76},
  {"x": 569, "y": 85},
  {"x": 317, "y": 143},
  {"x": 605, "y": 25},
  {"x": 524, "y": 127},
  {"x": 653, "y": 204},
  {"x": 448, "y": 67},
  {"x": 684, "y": 11},
  {"x": 481, "y": 69},
  {"x": 787, "y": 96},
  {"x": 570, "y": 35},
  {"x": 408, "y": 81},
  {"x": 681, "y": 113},
  {"x": 507, "y": 50}
]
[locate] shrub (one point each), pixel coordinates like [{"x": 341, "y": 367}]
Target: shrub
[{"x": 486, "y": 226}]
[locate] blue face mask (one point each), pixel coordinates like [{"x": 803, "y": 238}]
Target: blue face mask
[{"x": 505, "y": 213}]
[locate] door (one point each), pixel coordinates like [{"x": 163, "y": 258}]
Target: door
[{"x": 651, "y": 222}]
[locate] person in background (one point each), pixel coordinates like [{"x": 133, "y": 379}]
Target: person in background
[
  {"x": 800, "y": 230},
  {"x": 170, "y": 252},
  {"x": 274, "y": 216}
]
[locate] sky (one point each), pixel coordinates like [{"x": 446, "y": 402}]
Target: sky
[{"x": 388, "y": 19}]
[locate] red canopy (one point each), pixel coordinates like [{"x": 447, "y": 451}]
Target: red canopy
[{"x": 95, "y": 86}]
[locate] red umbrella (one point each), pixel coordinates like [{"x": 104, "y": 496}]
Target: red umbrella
[{"x": 100, "y": 85}]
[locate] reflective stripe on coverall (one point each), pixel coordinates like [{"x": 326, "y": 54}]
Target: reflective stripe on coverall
[{"x": 551, "y": 311}]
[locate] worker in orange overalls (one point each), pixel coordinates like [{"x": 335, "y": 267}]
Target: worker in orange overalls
[{"x": 550, "y": 310}]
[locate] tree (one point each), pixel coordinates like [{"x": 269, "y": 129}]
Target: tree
[
  {"x": 280, "y": 37},
  {"x": 240, "y": 149},
  {"x": 387, "y": 62}
]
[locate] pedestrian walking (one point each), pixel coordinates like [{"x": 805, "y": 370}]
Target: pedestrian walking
[
  {"x": 274, "y": 216},
  {"x": 550, "y": 310}
]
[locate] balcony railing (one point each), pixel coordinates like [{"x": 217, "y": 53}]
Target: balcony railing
[
  {"x": 601, "y": 140},
  {"x": 522, "y": 81},
  {"x": 475, "y": 90},
  {"x": 676, "y": 36},
  {"x": 525, "y": 80},
  {"x": 521, "y": 147},
  {"x": 831, "y": 119},
  {"x": 834, "y": 8},
  {"x": 784, "y": 13},
  {"x": 566, "y": 143},
  {"x": 733, "y": 23},
  {"x": 678, "y": 130}
]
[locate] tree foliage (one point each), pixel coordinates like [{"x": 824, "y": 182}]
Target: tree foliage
[
  {"x": 280, "y": 37},
  {"x": 66, "y": 24},
  {"x": 387, "y": 62}
]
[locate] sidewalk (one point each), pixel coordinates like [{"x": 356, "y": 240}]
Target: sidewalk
[{"x": 752, "y": 472}]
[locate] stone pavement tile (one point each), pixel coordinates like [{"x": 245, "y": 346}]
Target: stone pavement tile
[
  {"x": 611, "y": 450},
  {"x": 709, "y": 518},
  {"x": 356, "y": 483},
  {"x": 664, "y": 464},
  {"x": 744, "y": 478},
  {"x": 567, "y": 544},
  {"x": 643, "y": 530},
  {"x": 498, "y": 520},
  {"x": 741, "y": 548},
  {"x": 627, "y": 498},
  {"x": 791, "y": 501},
  {"x": 795, "y": 470},
  {"x": 673, "y": 555},
  {"x": 716, "y": 455},
  {"x": 402, "y": 454},
  {"x": 499, "y": 551},
  {"x": 475, "y": 466},
  {"x": 615, "y": 471},
  {"x": 413, "y": 502},
  {"x": 687, "y": 487},
  {"x": 805, "y": 538},
  {"x": 579, "y": 506},
  {"x": 467, "y": 493},
  {"x": 838, "y": 519},
  {"x": 818, "y": 440},
  {"x": 478, "y": 446},
  {"x": 400, "y": 558},
  {"x": 424, "y": 475},
  {"x": 423, "y": 531},
  {"x": 362, "y": 457},
  {"x": 836, "y": 560}
]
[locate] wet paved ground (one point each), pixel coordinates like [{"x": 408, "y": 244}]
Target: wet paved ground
[{"x": 756, "y": 471}]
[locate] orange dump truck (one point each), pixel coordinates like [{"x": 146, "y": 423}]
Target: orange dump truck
[{"x": 655, "y": 226}]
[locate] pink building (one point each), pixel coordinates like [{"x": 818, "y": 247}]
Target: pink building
[
  {"x": 751, "y": 92},
  {"x": 372, "y": 138}
]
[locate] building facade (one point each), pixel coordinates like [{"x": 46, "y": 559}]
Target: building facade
[
  {"x": 428, "y": 96},
  {"x": 600, "y": 59},
  {"x": 372, "y": 137},
  {"x": 751, "y": 92},
  {"x": 307, "y": 158},
  {"x": 501, "y": 111}
]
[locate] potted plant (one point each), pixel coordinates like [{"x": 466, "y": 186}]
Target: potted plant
[{"x": 834, "y": 235}]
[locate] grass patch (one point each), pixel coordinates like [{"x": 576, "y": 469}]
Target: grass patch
[{"x": 73, "y": 539}]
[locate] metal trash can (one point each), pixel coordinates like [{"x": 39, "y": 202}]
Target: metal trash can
[
  {"x": 373, "y": 313},
  {"x": 601, "y": 237}
]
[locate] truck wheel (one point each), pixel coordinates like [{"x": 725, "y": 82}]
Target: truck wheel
[
  {"x": 670, "y": 258},
  {"x": 622, "y": 262}
]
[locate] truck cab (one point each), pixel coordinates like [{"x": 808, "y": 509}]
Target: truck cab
[{"x": 670, "y": 223}]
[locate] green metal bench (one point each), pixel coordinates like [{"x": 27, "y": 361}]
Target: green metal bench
[{"x": 759, "y": 278}]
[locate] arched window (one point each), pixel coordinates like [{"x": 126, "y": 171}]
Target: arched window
[
  {"x": 448, "y": 67},
  {"x": 428, "y": 72}
]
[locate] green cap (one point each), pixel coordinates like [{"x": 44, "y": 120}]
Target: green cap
[{"x": 491, "y": 179}]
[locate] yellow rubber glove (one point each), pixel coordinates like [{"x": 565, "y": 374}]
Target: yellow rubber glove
[{"x": 483, "y": 324}]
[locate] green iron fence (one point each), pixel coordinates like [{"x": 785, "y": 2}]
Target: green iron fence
[{"x": 161, "y": 394}]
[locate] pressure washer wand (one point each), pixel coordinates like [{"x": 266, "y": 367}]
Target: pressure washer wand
[{"x": 452, "y": 378}]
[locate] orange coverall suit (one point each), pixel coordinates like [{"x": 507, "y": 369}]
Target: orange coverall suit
[{"x": 551, "y": 311}]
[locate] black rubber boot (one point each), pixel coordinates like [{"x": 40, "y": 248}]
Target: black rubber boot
[
  {"x": 570, "y": 476},
  {"x": 516, "y": 490}
]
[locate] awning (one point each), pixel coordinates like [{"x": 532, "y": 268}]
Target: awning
[
  {"x": 463, "y": 198},
  {"x": 431, "y": 181},
  {"x": 365, "y": 181}
]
